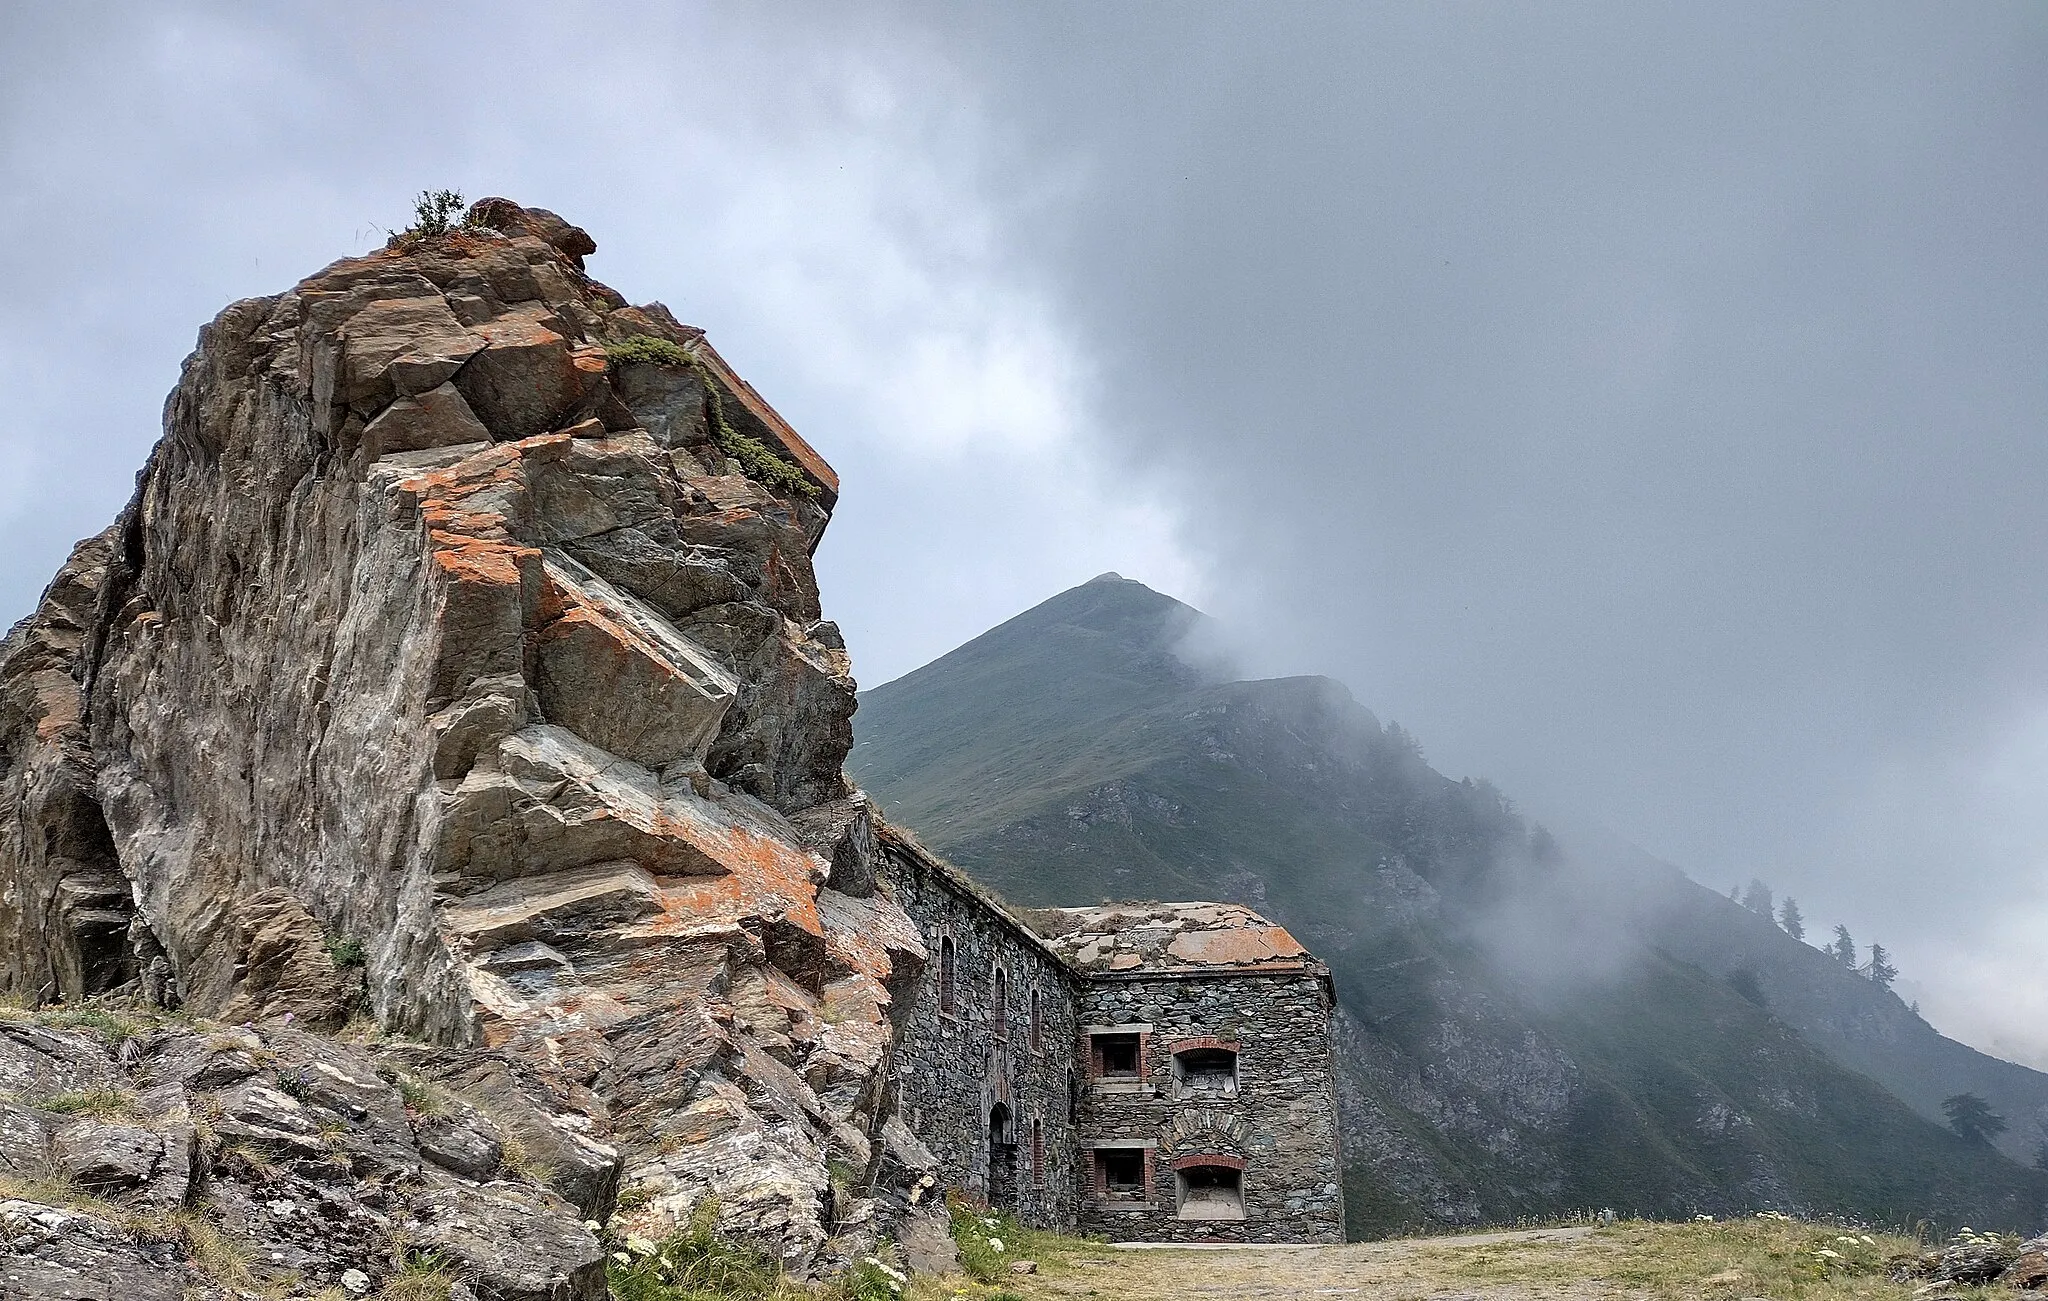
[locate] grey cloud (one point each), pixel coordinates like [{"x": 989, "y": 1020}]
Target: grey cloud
[{"x": 1643, "y": 404}]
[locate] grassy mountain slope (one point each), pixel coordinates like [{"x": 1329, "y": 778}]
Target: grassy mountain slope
[{"x": 1070, "y": 756}]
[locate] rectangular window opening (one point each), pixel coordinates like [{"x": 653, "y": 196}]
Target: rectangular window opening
[
  {"x": 1205, "y": 1071},
  {"x": 1123, "y": 1172},
  {"x": 1116, "y": 1056}
]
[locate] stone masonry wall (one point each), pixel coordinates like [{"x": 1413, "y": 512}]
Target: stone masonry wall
[
  {"x": 951, "y": 1069},
  {"x": 1282, "y": 1123}
]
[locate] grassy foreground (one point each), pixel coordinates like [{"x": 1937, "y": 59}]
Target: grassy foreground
[{"x": 1754, "y": 1257}]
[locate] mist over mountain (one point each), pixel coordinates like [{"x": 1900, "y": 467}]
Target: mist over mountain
[{"x": 1528, "y": 1024}]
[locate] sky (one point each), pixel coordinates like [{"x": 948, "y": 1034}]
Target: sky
[{"x": 1642, "y": 404}]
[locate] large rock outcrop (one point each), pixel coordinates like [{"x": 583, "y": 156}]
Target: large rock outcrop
[{"x": 455, "y": 634}]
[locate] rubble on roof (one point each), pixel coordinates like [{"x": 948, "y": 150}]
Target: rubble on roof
[{"x": 1152, "y": 937}]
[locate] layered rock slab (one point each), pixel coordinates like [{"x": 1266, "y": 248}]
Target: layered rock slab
[
  {"x": 315, "y": 1158},
  {"x": 435, "y": 641}
]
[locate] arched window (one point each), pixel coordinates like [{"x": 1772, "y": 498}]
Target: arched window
[
  {"x": 1002, "y": 1005},
  {"x": 1037, "y": 1023},
  {"x": 946, "y": 973}
]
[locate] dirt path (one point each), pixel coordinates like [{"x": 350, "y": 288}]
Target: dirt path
[{"x": 1548, "y": 1264}]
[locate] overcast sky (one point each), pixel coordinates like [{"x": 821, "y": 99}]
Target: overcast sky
[{"x": 1644, "y": 405}]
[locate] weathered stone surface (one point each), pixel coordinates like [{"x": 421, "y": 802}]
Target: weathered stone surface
[
  {"x": 529, "y": 378},
  {"x": 2029, "y": 1269},
  {"x": 843, "y": 832},
  {"x": 926, "y": 1241},
  {"x": 572, "y": 242},
  {"x": 314, "y": 1168},
  {"x": 399, "y": 347},
  {"x": 36, "y": 1062},
  {"x": 48, "y": 1253},
  {"x": 67, "y": 912},
  {"x": 283, "y": 969},
  {"x": 514, "y": 1244},
  {"x": 462, "y": 1141},
  {"x": 102, "y": 1157},
  {"x": 615, "y": 671},
  {"x": 436, "y": 418}
]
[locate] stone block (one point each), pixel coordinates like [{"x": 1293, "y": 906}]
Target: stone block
[{"x": 436, "y": 418}]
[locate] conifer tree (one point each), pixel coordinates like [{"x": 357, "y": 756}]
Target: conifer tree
[
  {"x": 1844, "y": 948},
  {"x": 1972, "y": 1118},
  {"x": 1881, "y": 971},
  {"x": 1789, "y": 918},
  {"x": 1757, "y": 898}
]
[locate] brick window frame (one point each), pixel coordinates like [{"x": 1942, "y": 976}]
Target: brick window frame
[
  {"x": 1098, "y": 1173},
  {"x": 1037, "y": 1152},
  {"x": 1037, "y": 1023},
  {"x": 1091, "y": 1052},
  {"x": 1178, "y": 1046},
  {"x": 1202, "y": 1044},
  {"x": 1001, "y": 998}
]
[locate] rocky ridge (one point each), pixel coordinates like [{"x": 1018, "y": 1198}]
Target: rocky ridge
[{"x": 450, "y": 669}]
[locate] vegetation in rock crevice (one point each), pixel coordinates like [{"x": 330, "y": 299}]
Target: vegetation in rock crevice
[
  {"x": 758, "y": 461},
  {"x": 697, "y": 1264}
]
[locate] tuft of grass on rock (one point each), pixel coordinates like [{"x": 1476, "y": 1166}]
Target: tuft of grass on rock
[
  {"x": 98, "y": 1103},
  {"x": 419, "y": 1097},
  {"x": 420, "y": 1276},
  {"x": 106, "y": 1024},
  {"x": 696, "y": 1264},
  {"x": 515, "y": 1157},
  {"x": 211, "y": 1252},
  {"x": 648, "y": 350}
]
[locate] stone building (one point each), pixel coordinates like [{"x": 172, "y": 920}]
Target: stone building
[
  {"x": 1156, "y": 1072},
  {"x": 984, "y": 1058}
]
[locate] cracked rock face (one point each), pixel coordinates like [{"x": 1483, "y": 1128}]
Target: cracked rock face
[
  {"x": 445, "y": 670},
  {"x": 311, "y": 1158}
]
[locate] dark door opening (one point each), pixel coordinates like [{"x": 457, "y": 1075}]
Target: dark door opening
[{"x": 1002, "y": 1157}]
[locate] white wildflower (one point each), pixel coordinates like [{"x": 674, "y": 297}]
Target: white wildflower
[
  {"x": 995, "y": 1244},
  {"x": 1825, "y": 1254},
  {"x": 640, "y": 1246}
]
